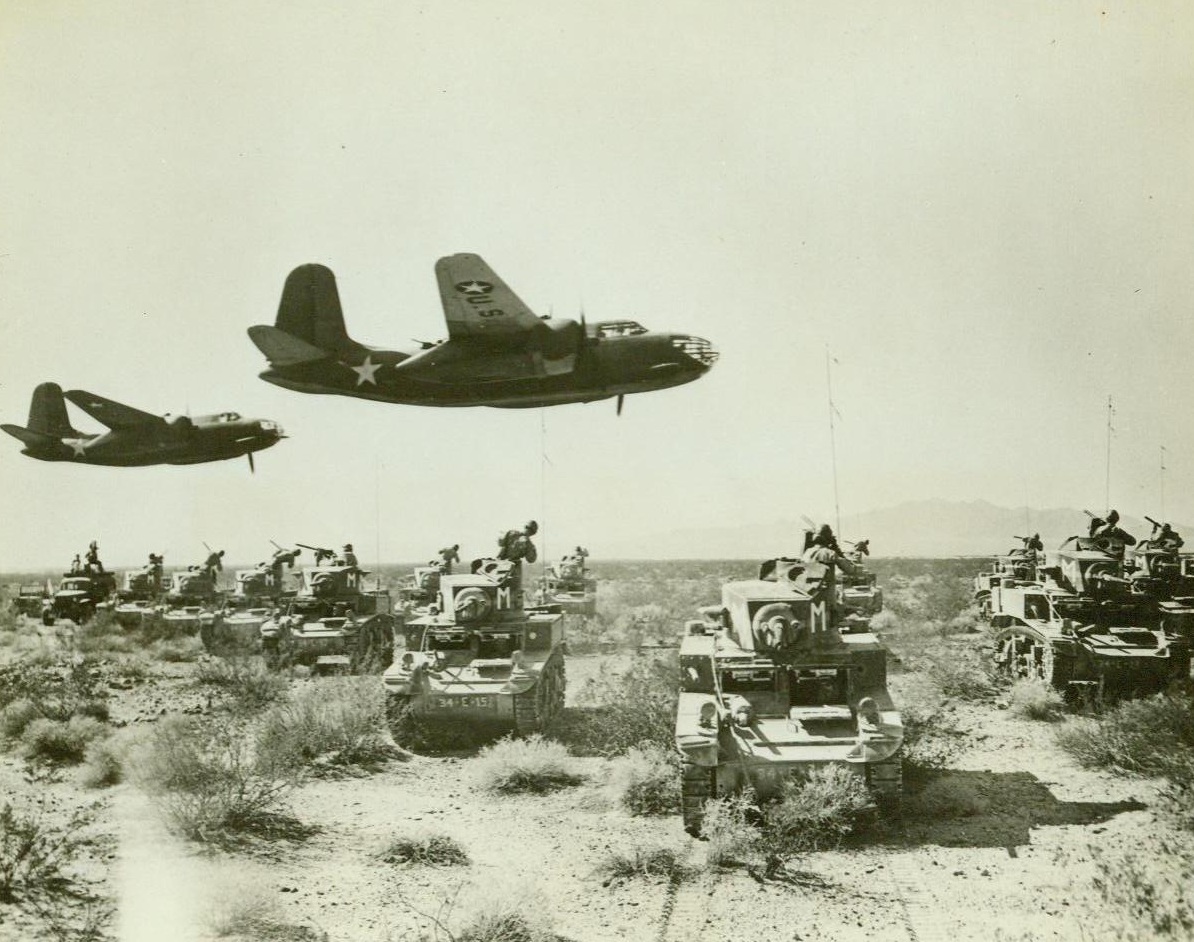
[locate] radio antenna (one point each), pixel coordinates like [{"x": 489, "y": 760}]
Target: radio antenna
[{"x": 837, "y": 513}]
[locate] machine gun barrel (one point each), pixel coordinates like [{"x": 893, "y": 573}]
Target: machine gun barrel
[
  {"x": 1107, "y": 577},
  {"x": 317, "y": 549},
  {"x": 1155, "y": 524}
]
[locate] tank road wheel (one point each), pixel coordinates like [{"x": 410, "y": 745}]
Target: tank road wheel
[
  {"x": 697, "y": 785},
  {"x": 1022, "y": 655}
]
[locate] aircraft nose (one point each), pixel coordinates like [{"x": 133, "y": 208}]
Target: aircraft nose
[
  {"x": 697, "y": 348},
  {"x": 270, "y": 427}
]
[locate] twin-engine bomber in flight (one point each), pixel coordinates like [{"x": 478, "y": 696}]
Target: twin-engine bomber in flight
[
  {"x": 498, "y": 352},
  {"x": 136, "y": 438}
]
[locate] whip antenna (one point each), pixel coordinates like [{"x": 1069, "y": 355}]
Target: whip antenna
[{"x": 837, "y": 513}]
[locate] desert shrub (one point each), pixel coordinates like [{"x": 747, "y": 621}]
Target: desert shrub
[
  {"x": 1152, "y": 736},
  {"x": 534, "y": 765},
  {"x": 731, "y": 829},
  {"x": 332, "y": 723},
  {"x": 427, "y": 850},
  {"x": 964, "y": 673},
  {"x": 628, "y": 706},
  {"x": 103, "y": 764},
  {"x": 1148, "y": 889},
  {"x": 507, "y": 918},
  {"x": 60, "y": 741},
  {"x": 241, "y": 907},
  {"x": 650, "y": 862},
  {"x": 16, "y": 716},
  {"x": 58, "y": 689},
  {"x": 647, "y": 780},
  {"x": 931, "y": 739},
  {"x": 1033, "y": 699},
  {"x": 813, "y": 814},
  {"x": 102, "y": 637},
  {"x": 207, "y": 779},
  {"x": 39, "y": 858},
  {"x": 245, "y": 681},
  {"x": 175, "y": 649}
]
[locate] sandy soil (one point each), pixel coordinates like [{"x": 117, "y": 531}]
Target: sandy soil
[{"x": 998, "y": 848}]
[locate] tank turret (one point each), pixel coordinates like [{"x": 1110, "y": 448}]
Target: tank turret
[{"x": 778, "y": 679}]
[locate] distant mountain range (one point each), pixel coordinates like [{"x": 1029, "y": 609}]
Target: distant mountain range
[{"x": 932, "y": 528}]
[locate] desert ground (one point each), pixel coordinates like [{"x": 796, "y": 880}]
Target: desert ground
[{"x": 1004, "y": 835}]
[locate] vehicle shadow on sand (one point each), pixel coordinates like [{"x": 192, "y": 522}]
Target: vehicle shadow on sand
[{"x": 953, "y": 808}]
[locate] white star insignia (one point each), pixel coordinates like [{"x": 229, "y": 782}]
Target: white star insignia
[
  {"x": 365, "y": 371},
  {"x": 79, "y": 445},
  {"x": 473, "y": 287}
]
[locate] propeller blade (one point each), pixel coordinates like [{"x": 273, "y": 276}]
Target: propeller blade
[
  {"x": 252, "y": 467},
  {"x": 621, "y": 398}
]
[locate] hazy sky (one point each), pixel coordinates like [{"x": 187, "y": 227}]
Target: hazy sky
[{"x": 985, "y": 210}]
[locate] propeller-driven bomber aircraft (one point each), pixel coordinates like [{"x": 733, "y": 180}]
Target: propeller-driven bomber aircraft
[
  {"x": 136, "y": 438},
  {"x": 498, "y": 352}
]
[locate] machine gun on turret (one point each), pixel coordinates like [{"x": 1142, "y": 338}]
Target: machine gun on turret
[{"x": 321, "y": 552}]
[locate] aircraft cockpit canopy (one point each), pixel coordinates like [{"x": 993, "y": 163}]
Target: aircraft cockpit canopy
[
  {"x": 619, "y": 329},
  {"x": 228, "y": 417}
]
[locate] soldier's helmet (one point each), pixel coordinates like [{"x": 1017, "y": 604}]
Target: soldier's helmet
[
  {"x": 532, "y": 528},
  {"x": 348, "y": 547},
  {"x": 1113, "y": 518},
  {"x": 824, "y": 535}
]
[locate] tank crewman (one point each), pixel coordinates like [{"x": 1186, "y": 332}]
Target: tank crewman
[
  {"x": 580, "y": 552},
  {"x": 93, "y": 560},
  {"x": 213, "y": 564},
  {"x": 278, "y": 562},
  {"x": 861, "y": 548},
  {"x": 348, "y": 557},
  {"x": 447, "y": 556},
  {"x": 824, "y": 550},
  {"x": 155, "y": 570},
  {"x": 1168, "y": 539},
  {"x": 516, "y": 545},
  {"x": 1096, "y": 523},
  {"x": 1111, "y": 530}
]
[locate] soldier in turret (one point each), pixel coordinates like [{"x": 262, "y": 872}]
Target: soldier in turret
[
  {"x": 213, "y": 564},
  {"x": 861, "y": 548},
  {"x": 1110, "y": 529},
  {"x": 348, "y": 557},
  {"x": 154, "y": 566},
  {"x": 825, "y": 551},
  {"x": 580, "y": 552},
  {"x": 1168, "y": 539},
  {"x": 447, "y": 556},
  {"x": 93, "y": 561},
  {"x": 516, "y": 545}
]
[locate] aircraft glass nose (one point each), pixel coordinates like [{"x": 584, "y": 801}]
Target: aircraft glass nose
[
  {"x": 698, "y": 348},
  {"x": 269, "y": 426}
]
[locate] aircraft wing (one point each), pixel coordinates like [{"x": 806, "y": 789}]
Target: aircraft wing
[
  {"x": 112, "y": 414},
  {"x": 477, "y": 302}
]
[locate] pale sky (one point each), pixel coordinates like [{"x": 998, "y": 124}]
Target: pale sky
[{"x": 986, "y": 211}]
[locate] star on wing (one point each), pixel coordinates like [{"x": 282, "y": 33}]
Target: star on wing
[
  {"x": 366, "y": 370},
  {"x": 474, "y": 287}
]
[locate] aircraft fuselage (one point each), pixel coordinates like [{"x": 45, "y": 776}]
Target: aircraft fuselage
[
  {"x": 452, "y": 374},
  {"x": 187, "y": 443}
]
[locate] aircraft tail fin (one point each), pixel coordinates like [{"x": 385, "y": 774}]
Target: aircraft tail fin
[
  {"x": 284, "y": 349},
  {"x": 310, "y": 309},
  {"x": 29, "y": 437},
  {"x": 47, "y": 413}
]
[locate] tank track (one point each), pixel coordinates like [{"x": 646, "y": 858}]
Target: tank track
[
  {"x": 535, "y": 709},
  {"x": 697, "y": 785}
]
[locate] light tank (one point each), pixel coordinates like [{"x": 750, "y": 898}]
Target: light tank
[
  {"x": 1018, "y": 565},
  {"x": 139, "y": 594},
  {"x": 1164, "y": 577},
  {"x": 478, "y": 663},
  {"x": 569, "y": 584},
  {"x": 859, "y": 592},
  {"x": 420, "y": 588},
  {"x": 194, "y": 602},
  {"x": 333, "y": 624},
  {"x": 1083, "y": 629},
  {"x": 777, "y": 681}
]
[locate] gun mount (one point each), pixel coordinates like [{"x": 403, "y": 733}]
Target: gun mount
[{"x": 771, "y": 687}]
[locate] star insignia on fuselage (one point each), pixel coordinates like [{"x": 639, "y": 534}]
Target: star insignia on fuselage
[
  {"x": 474, "y": 287},
  {"x": 365, "y": 371},
  {"x": 79, "y": 445}
]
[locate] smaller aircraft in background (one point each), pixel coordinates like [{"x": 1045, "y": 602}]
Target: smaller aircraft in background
[{"x": 135, "y": 438}]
